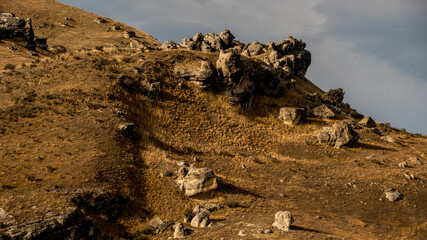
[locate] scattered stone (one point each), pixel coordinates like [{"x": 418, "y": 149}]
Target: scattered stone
[
  {"x": 403, "y": 165},
  {"x": 260, "y": 231},
  {"x": 3, "y": 215},
  {"x": 415, "y": 160},
  {"x": 197, "y": 181},
  {"x": 116, "y": 27},
  {"x": 388, "y": 138},
  {"x": 268, "y": 231},
  {"x": 242, "y": 233},
  {"x": 368, "y": 122},
  {"x": 12, "y": 48},
  {"x": 179, "y": 230},
  {"x": 392, "y": 195},
  {"x": 63, "y": 24},
  {"x": 323, "y": 111},
  {"x": 201, "y": 219},
  {"x": 126, "y": 129},
  {"x": 292, "y": 116},
  {"x": 58, "y": 49},
  {"x": 129, "y": 34},
  {"x": 340, "y": 134},
  {"x": 283, "y": 220},
  {"x": 409, "y": 176},
  {"x": 156, "y": 223},
  {"x": 100, "y": 20}
]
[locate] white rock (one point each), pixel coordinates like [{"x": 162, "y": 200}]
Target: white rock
[
  {"x": 179, "y": 231},
  {"x": 242, "y": 233},
  {"x": 283, "y": 220},
  {"x": 403, "y": 165},
  {"x": 392, "y": 195},
  {"x": 201, "y": 219},
  {"x": 197, "y": 181}
]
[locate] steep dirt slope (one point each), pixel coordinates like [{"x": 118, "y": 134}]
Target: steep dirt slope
[
  {"x": 82, "y": 30},
  {"x": 58, "y": 137}
]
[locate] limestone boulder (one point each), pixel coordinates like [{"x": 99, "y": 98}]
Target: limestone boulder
[
  {"x": 197, "y": 181},
  {"x": 283, "y": 220},
  {"x": 292, "y": 116},
  {"x": 323, "y": 111},
  {"x": 168, "y": 45},
  {"x": 340, "y": 134},
  {"x": 227, "y": 38},
  {"x": 255, "y": 49},
  {"x": 214, "y": 41}
]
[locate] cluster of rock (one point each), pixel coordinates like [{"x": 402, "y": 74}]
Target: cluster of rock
[
  {"x": 288, "y": 57},
  {"x": 20, "y": 31}
]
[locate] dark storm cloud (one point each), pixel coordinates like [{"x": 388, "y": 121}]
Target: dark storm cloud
[{"x": 394, "y": 31}]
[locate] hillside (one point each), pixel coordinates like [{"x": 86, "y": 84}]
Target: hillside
[{"x": 59, "y": 138}]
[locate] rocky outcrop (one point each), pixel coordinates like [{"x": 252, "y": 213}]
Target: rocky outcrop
[
  {"x": 323, "y": 111},
  {"x": 168, "y": 45},
  {"x": 292, "y": 116},
  {"x": 340, "y": 134},
  {"x": 103, "y": 203},
  {"x": 333, "y": 96},
  {"x": 368, "y": 122},
  {"x": 204, "y": 75},
  {"x": 73, "y": 225},
  {"x": 197, "y": 181},
  {"x": 19, "y": 30}
]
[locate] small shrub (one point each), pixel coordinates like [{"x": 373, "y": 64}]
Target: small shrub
[{"x": 9, "y": 66}]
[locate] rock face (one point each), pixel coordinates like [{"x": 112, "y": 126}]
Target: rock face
[
  {"x": 367, "y": 122},
  {"x": 283, "y": 220},
  {"x": 204, "y": 76},
  {"x": 197, "y": 181},
  {"x": 292, "y": 116},
  {"x": 20, "y": 30},
  {"x": 340, "y": 134},
  {"x": 73, "y": 225}
]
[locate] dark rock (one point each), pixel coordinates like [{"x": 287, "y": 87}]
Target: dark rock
[
  {"x": 323, "y": 111},
  {"x": 73, "y": 225},
  {"x": 100, "y": 20},
  {"x": 340, "y": 134},
  {"x": 367, "y": 122},
  {"x": 126, "y": 129},
  {"x": 101, "y": 203},
  {"x": 333, "y": 96},
  {"x": 292, "y": 116},
  {"x": 154, "y": 90},
  {"x": 129, "y": 34}
]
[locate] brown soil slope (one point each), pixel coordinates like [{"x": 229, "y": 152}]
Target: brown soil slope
[
  {"x": 58, "y": 137},
  {"x": 82, "y": 31}
]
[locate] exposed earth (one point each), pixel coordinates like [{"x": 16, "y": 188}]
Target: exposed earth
[{"x": 59, "y": 137}]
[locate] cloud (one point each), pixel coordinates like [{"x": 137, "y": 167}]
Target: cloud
[{"x": 393, "y": 31}]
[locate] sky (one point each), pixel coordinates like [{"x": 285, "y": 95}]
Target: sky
[{"x": 376, "y": 50}]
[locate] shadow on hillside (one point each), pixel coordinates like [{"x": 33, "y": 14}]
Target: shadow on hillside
[
  {"x": 297, "y": 228},
  {"x": 372, "y": 147},
  {"x": 229, "y": 188}
]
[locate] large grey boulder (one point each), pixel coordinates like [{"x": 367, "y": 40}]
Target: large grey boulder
[
  {"x": 214, "y": 41},
  {"x": 188, "y": 43},
  {"x": 255, "y": 49},
  {"x": 340, "y": 134},
  {"x": 392, "y": 195},
  {"x": 283, "y": 220},
  {"x": 197, "y": 181},
  {"x": 292, "y": 116},
  {"x": 227, "y": 38},
  {"x": 323, "y": 111},
  {"x": 229, "y": 65}
]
